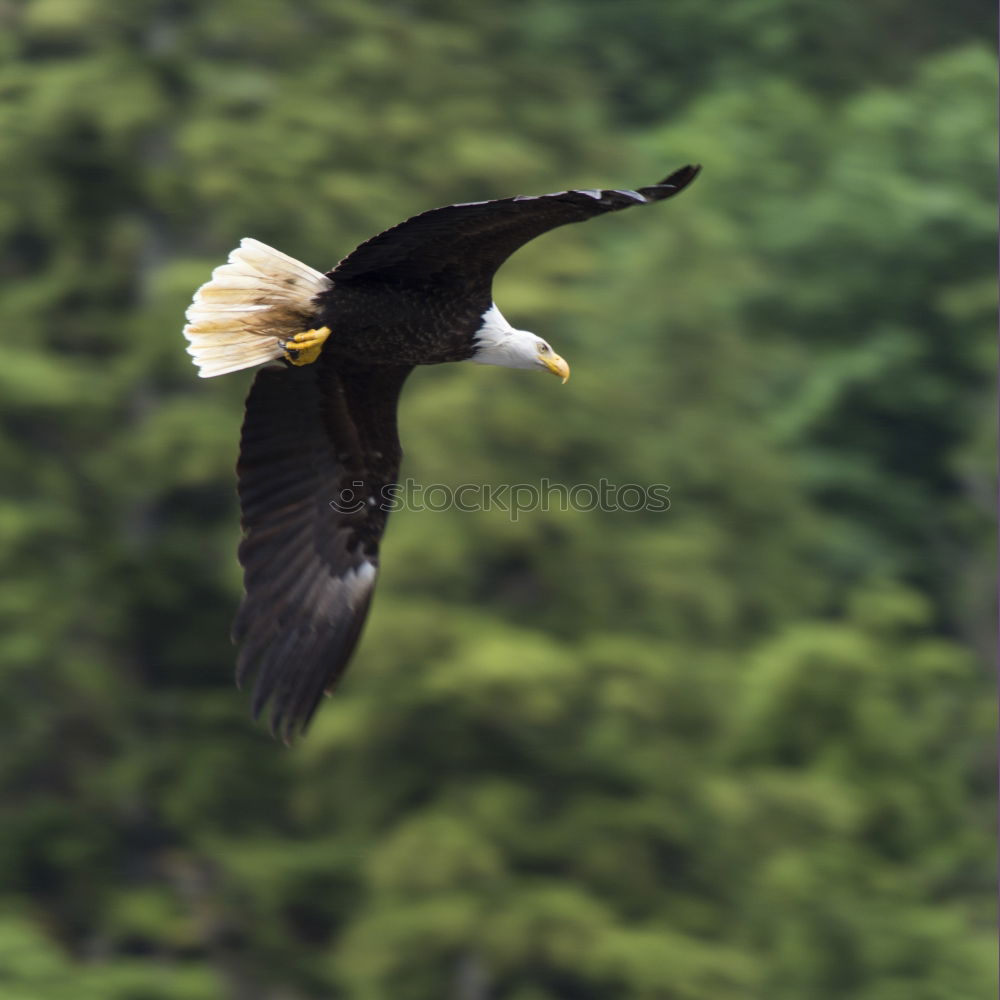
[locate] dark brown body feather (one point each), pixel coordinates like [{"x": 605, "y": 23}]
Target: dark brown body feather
[{"x": 319, "y": 451}]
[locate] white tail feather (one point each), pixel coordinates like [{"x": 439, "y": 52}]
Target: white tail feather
[{"x": 260, "y": 296}]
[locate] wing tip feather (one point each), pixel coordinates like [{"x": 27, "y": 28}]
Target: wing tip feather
[{"x": 294, "y": 667}]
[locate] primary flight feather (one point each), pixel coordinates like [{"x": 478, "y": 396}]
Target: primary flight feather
[{"x": 319, "y": 450}]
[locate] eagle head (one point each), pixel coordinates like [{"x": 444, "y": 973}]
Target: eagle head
[{"x": 496, "y": 342}]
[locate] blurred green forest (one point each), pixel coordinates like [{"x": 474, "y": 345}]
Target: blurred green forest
[{"x": 739, "y": 749}]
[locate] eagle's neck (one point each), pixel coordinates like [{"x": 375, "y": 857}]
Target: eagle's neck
[{"x": 496, "y": 342}]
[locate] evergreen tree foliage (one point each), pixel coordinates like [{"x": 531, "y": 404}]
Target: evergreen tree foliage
[{"x": 732, "y": 749}]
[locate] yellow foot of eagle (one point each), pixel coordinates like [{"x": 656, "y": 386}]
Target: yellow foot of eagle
[{"x": 304, "y": 348}]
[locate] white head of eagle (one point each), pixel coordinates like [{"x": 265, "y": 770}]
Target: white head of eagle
[{"x": 498, "y": 343}]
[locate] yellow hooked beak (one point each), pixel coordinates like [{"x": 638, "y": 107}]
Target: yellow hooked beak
[{"x": 556, "y": 365}]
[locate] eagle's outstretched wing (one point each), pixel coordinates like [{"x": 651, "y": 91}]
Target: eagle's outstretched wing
[
  {"x": 318, "y": 453},
  {"x": 467, "y": 243}
]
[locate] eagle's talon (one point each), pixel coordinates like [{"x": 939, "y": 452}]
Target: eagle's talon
[{"x": 304, "y": 347}]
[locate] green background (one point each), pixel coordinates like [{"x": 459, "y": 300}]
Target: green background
[{"x": 739, "y": 749}]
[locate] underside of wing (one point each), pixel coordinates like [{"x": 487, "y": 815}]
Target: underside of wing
[
  {"x": 476, "y": 238},
  {"x": 316, "y": 449}
]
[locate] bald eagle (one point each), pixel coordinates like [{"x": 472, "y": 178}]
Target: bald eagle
[{"x": 319, "y": 451}]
